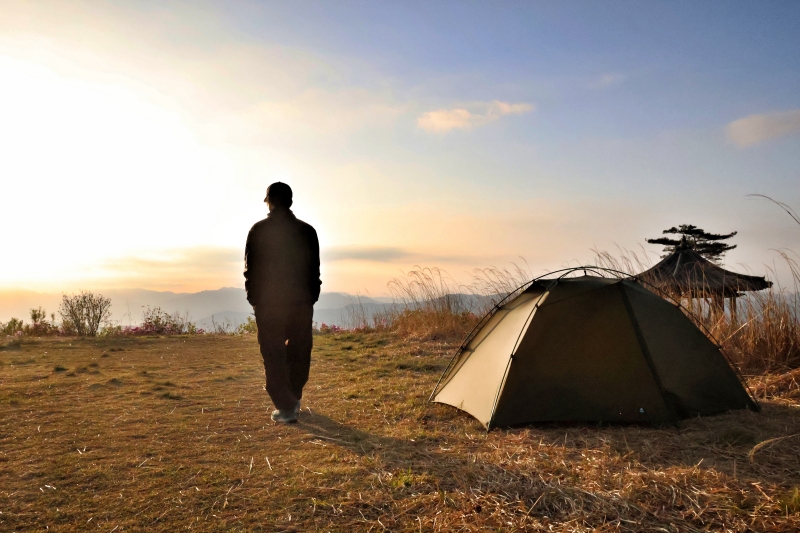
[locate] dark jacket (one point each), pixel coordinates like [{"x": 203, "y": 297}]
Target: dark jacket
[{"x": 281, "y": 261}]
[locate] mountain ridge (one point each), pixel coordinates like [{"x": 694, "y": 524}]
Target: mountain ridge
[{"x": 225, "y": 303}]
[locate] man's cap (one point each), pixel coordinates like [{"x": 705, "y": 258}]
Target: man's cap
[{"x": 279, "y": 193}]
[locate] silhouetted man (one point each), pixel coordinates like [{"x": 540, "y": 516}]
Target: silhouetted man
[{"x": 281, "y": 271}]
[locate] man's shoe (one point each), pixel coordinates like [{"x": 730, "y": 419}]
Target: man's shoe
[
  {"x": 284, "y": 417},
  {"x": 297, "y": 409}
]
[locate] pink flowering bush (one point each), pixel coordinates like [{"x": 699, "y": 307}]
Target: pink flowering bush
[
  {"x": 156, "y": 322},
  {"x": 332, "y": 328}
]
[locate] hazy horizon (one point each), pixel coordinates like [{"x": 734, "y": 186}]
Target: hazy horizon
[{"x": 138, "y": 138}]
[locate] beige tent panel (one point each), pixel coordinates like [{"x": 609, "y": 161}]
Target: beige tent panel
[{"x": 474, "y": 384}]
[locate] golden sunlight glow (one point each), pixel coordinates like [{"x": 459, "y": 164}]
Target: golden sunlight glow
[
  {"x": 86, "y": 155},
  {"x": 137, "y": 140}
]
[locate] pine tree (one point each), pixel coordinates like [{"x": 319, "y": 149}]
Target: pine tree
[{"x": 694, "y": 238}]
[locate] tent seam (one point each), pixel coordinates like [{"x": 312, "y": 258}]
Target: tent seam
[{"x": 646, "y": 353}]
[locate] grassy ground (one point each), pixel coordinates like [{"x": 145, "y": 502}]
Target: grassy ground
[{"x": 167, "y": 434}]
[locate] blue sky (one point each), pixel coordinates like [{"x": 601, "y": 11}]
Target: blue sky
[{"x": 451, "y": 134}]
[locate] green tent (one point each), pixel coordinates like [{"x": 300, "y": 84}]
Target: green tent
[{"x": 589, "y": 349}]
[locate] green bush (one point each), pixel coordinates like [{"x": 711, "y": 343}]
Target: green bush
[
  {"x": 12, "y": 327},
  {"x": 247, "y": 327}
]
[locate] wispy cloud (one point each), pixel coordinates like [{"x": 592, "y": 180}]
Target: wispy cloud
[
  {"x": 196, "y": 268},
  {"x": 609, "y": 79},
  {"x": 383, "y": 254},
  {"x": 364, "y": 253},
  {"x": 755, "y": 129},
  {"x": 470, "y": 116}
]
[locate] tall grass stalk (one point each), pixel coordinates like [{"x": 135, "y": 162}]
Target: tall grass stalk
[
  {"x": 429, "y": 304},
  {"x": 761, "y": 335},
  {"x": 764, "y": 333}
]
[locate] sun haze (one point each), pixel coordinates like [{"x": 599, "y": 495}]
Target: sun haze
[{"x": 137, "y": 138}]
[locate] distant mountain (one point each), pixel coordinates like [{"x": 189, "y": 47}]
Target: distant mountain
[
  {"x": 226, "y": 321},
  {"x": 226, "y": 305},
  {"x": 352, "y": 314}
]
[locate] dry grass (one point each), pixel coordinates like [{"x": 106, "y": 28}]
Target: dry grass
[
  {"x": 166, "y": 434},
  {"x": 432, "y": 324},
  {"x": 763, "y": 337},
  {"x": 431, "y": 306},
  {"x": 764, "y": 334}
]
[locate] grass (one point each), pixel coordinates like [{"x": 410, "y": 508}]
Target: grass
[
  {"x": 430, "y": 305},
  {"x": 764, "y": 334},
  {"x": 103, "y": 450},
  {"x": 763, "y": 337}
]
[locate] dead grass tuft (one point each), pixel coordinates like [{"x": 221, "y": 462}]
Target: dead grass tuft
[
  {"x": 431, "y": 306},
  {"x": 790, "y": 502}
]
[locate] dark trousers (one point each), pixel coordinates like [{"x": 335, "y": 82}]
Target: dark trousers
[{"x": 284, "y": 335}]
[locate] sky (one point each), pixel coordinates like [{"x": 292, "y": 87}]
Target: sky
[{"x": 137, "y": 139}]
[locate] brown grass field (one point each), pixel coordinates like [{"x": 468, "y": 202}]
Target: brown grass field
[{"x": 173, "y": 433}]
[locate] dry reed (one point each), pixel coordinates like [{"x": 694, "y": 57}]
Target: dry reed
[
  {"x": 429, "y": 304},
  {"x": 763, "y": 336}
]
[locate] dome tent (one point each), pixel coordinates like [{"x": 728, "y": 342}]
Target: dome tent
[{"x": 588, "y": 348}]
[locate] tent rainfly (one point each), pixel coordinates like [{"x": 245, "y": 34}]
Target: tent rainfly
[{"x": 589, "y": 349}]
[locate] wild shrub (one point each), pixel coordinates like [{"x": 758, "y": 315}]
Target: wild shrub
[
  {"x": 40, "y": 326},
  {"x": 764, "y": 332},
  {"x": 433, "y": 324},
  {"x": 82, "y": 314},
  {"x": 430, "y": 305},
  {"x": 222, "y": 328},
  {"x": 436, "y": 307},
  {"x": 14, "y": 326},
  {"x": 327, "y": 329},
  {"x": 155, "y": 321},
  {"x": 248, "y": 327}
]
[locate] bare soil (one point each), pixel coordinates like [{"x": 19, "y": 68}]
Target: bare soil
[{"x": 173, "y": 433}]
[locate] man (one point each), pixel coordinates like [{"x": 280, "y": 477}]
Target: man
[{"x": 281, "y": 271}]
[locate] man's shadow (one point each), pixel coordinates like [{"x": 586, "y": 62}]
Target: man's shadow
[{"x": 395, "y": 453}]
